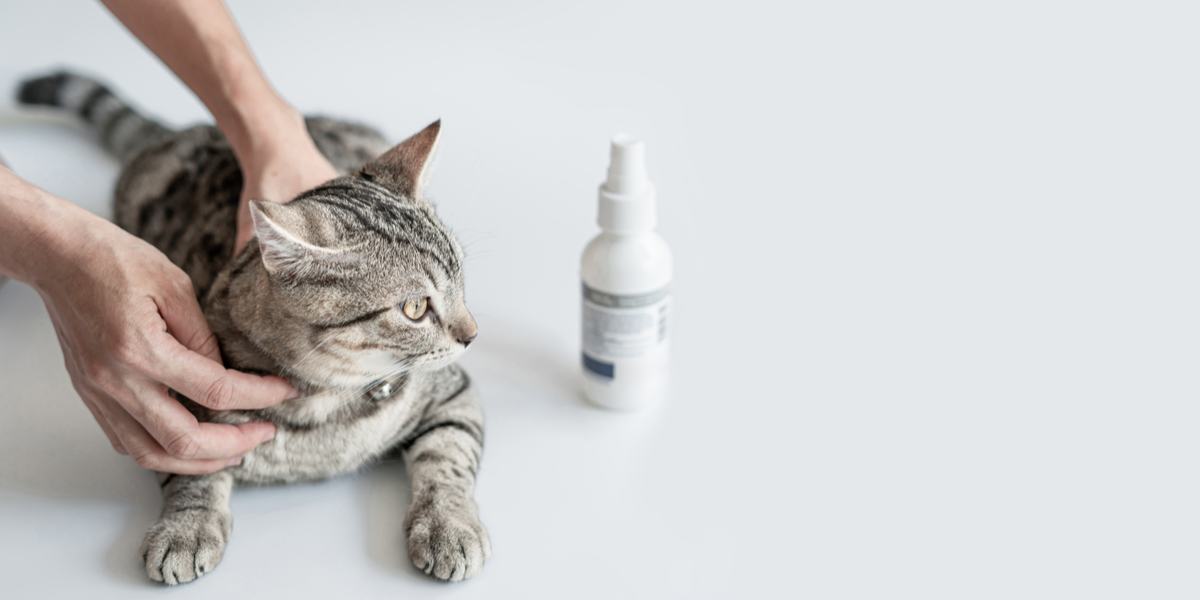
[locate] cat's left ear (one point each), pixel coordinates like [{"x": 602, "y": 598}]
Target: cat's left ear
[
  {"x": 285, "y": 252},
  {"x": 404, "y": 168}
]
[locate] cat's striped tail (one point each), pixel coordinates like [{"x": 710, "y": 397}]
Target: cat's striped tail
[{"x": 123, "y": 131}]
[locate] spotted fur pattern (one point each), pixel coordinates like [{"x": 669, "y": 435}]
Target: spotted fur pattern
[{"x": 315, "y": 297}]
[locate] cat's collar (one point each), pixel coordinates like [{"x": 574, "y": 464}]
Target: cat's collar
[{"x": 376, "y": 391}]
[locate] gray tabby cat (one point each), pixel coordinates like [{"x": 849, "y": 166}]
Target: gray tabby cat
[{"x": 353, "y": 291}]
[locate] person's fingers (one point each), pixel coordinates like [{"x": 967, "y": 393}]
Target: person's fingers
[
  {"x": 179, "y": 433},
  {"x": 185, "y": 321},
  {"x": 210, "y": 384},
  {"x": 90, "y": 402},
  {"x": 192, "y": 365},
  {"x": 149, "y": 455}
]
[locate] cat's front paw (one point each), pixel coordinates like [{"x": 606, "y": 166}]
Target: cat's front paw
[
  {"x": 450, "y": 545},
  {"x": 183, "y": 546}
]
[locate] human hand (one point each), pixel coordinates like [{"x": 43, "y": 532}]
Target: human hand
[
  {"x": 280, "y": 166},
  {"x": 130, "y": 327}
]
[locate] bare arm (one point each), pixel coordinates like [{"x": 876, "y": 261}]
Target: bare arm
[
  {"x": 199, "y": 41},
  {"x": 127, "y": 319},
  {"x": 129, "y": 327}
]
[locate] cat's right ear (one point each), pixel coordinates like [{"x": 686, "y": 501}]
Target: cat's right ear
[
  {"x": 284, "y": 252},
  {"x": 404, "y": 168}
]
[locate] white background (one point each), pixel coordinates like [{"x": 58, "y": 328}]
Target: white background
[{"x": 936, "y": 300}]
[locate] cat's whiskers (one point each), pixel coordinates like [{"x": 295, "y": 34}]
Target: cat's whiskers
[
  {"x": 402, "y": 366},
  {"x": 294, "y": 368}
]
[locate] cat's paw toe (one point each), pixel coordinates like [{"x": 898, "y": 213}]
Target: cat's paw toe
[
  {"x": 179, "y": 550},
  {"x": 451, "y": 547}
]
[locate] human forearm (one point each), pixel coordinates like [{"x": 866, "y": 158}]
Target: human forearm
[
  {"x": 198, "y": 40},
  {"x": 35, "y": 226},
  {"x": 130, "y": 327}
]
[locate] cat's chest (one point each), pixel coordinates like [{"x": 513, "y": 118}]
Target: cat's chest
[
  {"x": 316, "y": 409},
  {"x": 337, "y": 446}
]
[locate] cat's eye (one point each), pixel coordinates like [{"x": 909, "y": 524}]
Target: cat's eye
[{"x": 415, "y": 309}]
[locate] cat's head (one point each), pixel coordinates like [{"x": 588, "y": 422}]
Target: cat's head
[{"x": 365, "y": 280}]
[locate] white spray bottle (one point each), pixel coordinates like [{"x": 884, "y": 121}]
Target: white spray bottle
[{"x": 626, "y": 272}]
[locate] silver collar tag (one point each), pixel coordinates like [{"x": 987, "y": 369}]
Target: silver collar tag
[{"x": 381, "y": 390}]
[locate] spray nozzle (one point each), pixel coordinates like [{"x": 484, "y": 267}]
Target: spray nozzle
[
  {"x": 626, "y": 196},
  {"x": 626, "y": 165}
]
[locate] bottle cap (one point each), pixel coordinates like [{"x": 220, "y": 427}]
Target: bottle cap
[{"x": 627, "y": 198}]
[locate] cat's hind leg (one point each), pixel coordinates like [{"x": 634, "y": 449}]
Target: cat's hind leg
[
  {"x": 445, "y": 536},
  {"x": 190, "y": 536}
]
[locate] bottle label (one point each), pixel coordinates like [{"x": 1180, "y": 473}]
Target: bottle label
[{"x": 621, "y": 327}]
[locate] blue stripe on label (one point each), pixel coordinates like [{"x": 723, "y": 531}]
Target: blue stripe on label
[{"x": 599, "y": 367}]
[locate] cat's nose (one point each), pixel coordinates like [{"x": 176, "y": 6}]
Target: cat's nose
[
  {"x": 467, "y": 339},
  {"x": 466, "y": 331}
]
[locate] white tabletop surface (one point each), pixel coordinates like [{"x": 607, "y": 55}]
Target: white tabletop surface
[{"x": 936, "y": 288}]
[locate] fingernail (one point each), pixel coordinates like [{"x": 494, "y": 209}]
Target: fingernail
[{"x": 237, "y": 462}]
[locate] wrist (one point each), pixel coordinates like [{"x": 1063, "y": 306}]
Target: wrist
[
  {"x": 65, "y": 245},
  {"x": 41, "y": 233},
  {"x": 259, "y": 124},
  {"x": 261, "y": 127}
]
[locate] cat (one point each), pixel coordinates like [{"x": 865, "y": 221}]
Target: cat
[{"x": 353, "y": 291}]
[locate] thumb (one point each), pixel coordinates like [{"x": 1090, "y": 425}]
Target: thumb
[
  {"x": 190, "y": 363},
  {"x": 208, "y": 383}
]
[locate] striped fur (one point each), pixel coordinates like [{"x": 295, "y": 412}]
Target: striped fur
[
  {"x": 314, "y": 297},
  {"x": 123, "y": 131}
]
